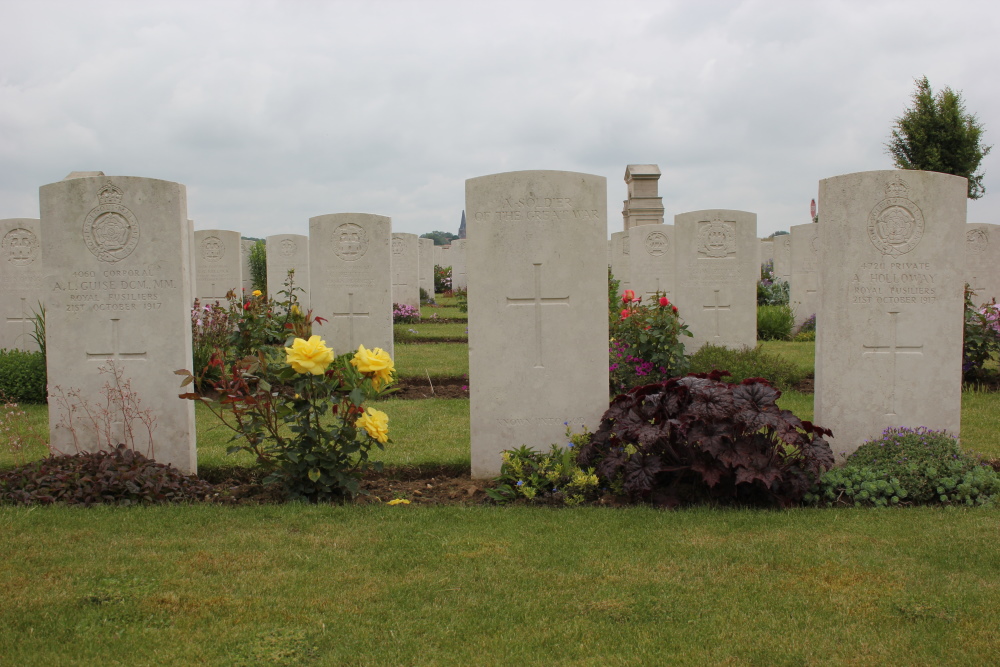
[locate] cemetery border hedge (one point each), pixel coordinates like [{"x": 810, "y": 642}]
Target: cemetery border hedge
[{"x": 22, "y": 376}]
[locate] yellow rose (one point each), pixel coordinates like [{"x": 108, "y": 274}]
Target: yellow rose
[
  {"x": 376, "y": 423},
  {"x": 398, "y": 501},
  {"x": 309, "y": 356},
  {"x": 256, "y": 292},
  {"x": 375, "y": 363},
  {"x": 295, "y": 311}
]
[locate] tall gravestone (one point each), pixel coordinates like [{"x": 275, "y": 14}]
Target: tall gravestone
[
  {"x": 425, "y": 263},
  {"x": 804, "y": 297},
  {"x": 982, "y": 261},
  {"x": 288, "y": 252},
  {"x": 652, "y": 266},
  {"x": 889, "y": 348},
  {"x": 406, "y": 269},
  {"x": 459, "y": 264},
  {"x": 246, "y": 245},
  {"x": 218, "y": 263},
  {"x": 783, "y": 257},
  {"x": 538, "y": 325},
  {"x": 22, "y": 277},
  {"x": 350, "y": 260},
  {"x": 118, "y": 293},
  {"x": 766, "y": 251},
  {"x": 718, "y": 264},
  {"x": 620, "y": 255}
]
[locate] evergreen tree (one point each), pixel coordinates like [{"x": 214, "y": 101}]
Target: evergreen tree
[{"x": 937, "y": 134}]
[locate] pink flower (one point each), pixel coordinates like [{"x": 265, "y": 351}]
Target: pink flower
[
  {"x": 625, "y": 313},
  {"x": 664, "y": 301},
  {"x": 628, "y": 296}
]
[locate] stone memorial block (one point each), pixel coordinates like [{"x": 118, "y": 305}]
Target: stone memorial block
[
  {"x": 459, "y": 264},
  {"x": 620, "y": 255},
  {"x": 406, "y": 269},
  {"x": 717, "y": 259},
  {"x": 766, "y": 251},
  {"x": 804, "y": 297},
  {"x": 218, "y": 264},
  {"x": 538, "y": 324},
  {"x": 191, "y": 255},
  {"x": 783, "y": 257},
  {"x": 425, "y": 264},
  {"x": 982, "y": 261},
  {"x": 23, "y": 278},
  {"x": 652, "y": 267},
  {"x": 350, "y": 283},
  {"x": 644, "y": 206},
  {"x": 889, "y": 344},
  {"x": 246, "y": 245},
  {"x": 288, "y": 252},
  {"x": 118, "y": 294}
]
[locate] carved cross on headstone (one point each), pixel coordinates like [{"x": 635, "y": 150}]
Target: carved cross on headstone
[
  {"x": 717, "y": 307},
  {"x": 22, "y": 320},
  {"x": 537, "y": 301},
  {"x": 350, "y": 315},
  {"x": 116, "y": 353},
  {"x": 652, "y": 293},
  {"x": 398, "y": 281},
  {"x": 892, "y": 349}
]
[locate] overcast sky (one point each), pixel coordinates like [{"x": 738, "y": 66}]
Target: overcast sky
[{"x": 273, "y": 112}]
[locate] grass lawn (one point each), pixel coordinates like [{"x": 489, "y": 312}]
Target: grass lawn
[
  {"x": 435, "y": 359},
  {"x": 429, "y": 330}
]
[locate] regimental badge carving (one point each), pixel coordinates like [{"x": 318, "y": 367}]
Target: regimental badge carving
[
  {"x": 110, "y": 230},
  {"x": 212, "y": 248},
  {"x": 977, "y": 240},
  {"x": 717, "y": 238},
  {"x": 895, "y": 225},
  {"x": 288, "y": 247},
  {"x": 398, "y": 245},
  {"x": 350, "y": 242},
  {"x": 20, "y": 246},
  {"x": 656, "y": 244},
  {"x": 626, "y": 248}
]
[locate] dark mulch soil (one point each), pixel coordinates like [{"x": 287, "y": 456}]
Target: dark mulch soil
[
  {"x": 453, "y": 387},
  {"x": 805, "y": 385}
]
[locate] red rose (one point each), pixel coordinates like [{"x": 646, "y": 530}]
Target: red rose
[
  {"x": 675, "y": 308},
  {"x": 664, "y": 301},
  {"x": 626, "y": 313},
  {"x": 628, "y": 296}
]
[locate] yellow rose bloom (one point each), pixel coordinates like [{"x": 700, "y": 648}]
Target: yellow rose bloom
[
  {"x": 375, "y": 423},
  {"x": 256, "y": 292},
  {"x": 309, "y": 356},
  {"x": 295, "y": 311},
  {"x": 375, "y": 363},
  {"x": 398, "y": 501}
]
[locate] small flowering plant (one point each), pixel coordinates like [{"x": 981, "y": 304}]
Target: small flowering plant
[
  {"x": 406, "y": 314},
  {"x": 982, "y": 336},
  {"x": 300, "y": 410},
  {"x": 646, "y": 342},
  {"x": 552, "y": 477}
]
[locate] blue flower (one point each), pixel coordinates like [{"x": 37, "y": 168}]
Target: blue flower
[{"x": 520, "y": 482}]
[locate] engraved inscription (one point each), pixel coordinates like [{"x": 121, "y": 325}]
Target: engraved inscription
[
  {"x": 896, "y": 224},
  {"x": 212, "y": 248},
  {"x": 398, "y": 245},
  {"x": 977, "y": 240},
  {"x": 656, "y": 244},
  {"x": 20, "y": 246},
  {"x": 536, "y": 209},
  {"x": 717, "y": 238},
  {"x": 350, "y": 242},
  {"x": 893, "y": 283},
  {"x": 114, "y": 290},
  {"x": 110, "y": 230}
]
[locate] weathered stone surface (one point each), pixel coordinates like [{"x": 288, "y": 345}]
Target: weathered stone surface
[
  {"x": 889, "y": 327},
  {"x": 22, "y": 275},
  {"x": 288, "y": 252},
  {"x": 218, "y": 264},
  {"x": 538, "y": 334},
  {"x": 644, "y": 206},
  {"x": 982, "y": 261},
  {"x": 82, "y": 174},
  {"x": 717, "y": 269},
  {"x": 766, "y": 251},
  {"x": 118, "y": 292},
  {"x": 350, "y": 260},
  {"x": 652, "y": 261},
  {"x": 246, "y": 245},
  {"x": 783, "y": 257},
  {"x": 806, "y": 257},
  {"x": 620, "y": 256},
  {"x": 459, "y": 264},
  {"x": 406, "y": 269},
  {"x": 426, "y": 266}
]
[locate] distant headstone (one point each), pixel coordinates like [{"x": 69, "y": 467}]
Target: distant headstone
[
  {"x": 22, "y": 277},
  {"x": 652, "y": 265},
  {"x": 218, "y": 263},
  {"x": 538, "y": 324},
  {"x": 982, "y": 261},
  {"x": 406, "y": 269},
  {"x": 644, "y": 205},
  {"x": 288, "y": 252},
  {"x": 459, "y": 264},
  {"x": 889, "y": 344},
  {"x": 766, "y": 251},
  {"x": 620, "y": 255},
  {"x": 118, "y": 292},
  {"x": 426, "y": 266},
  {"x": 718, "y": 266},
  {"x": 783, "y": 257},
  {"x": 804, "y": 298},
  {"x": 246, "y": 245},
  {"x": 350, "y": 260}
]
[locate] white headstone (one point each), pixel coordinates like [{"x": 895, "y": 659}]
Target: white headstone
[
  {"x": 22, "y": 277},
  {"x": 890, "y": 322},
  {"x": 717, "y": 267},
  {"x": 538, "y": 323},
  {"x": 426, "y": 266},
  {"x": 118, "y": 280},
  {"x": 620, "y": 255},
  {"x": 652, "y": 265},
  {"x": 982, "y": 261},
  {"x": 246, "y": 245},
  {"x": 288, "y": 252},
  {"x": 350, "y": 260},
  {"x": 459, "y": 264},
  {"x": 766, "y": 250},
  {"x": 406, "y": 269},
  {"x": 804, "y": 298},
  {"x": 783, "y": 257},
  {"x": 218, "y": 263}
]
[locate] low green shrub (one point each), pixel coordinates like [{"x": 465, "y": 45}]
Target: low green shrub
[
  {"x": 805, "y": 336},
  {"x": 910, "y": 467},
  {"x": 747, "y": 362},
  {"x": 775, "y": 322},
  {"x": 771, "y": 290},
  {"x": 553, "y": 478},
  {"x": 22, "y": 376}
]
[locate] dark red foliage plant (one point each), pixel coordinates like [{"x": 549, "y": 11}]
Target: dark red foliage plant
[{"x": 698, "y": 438}]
